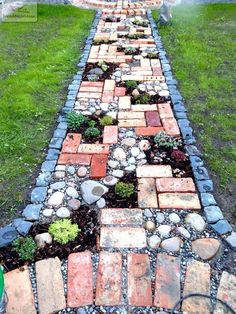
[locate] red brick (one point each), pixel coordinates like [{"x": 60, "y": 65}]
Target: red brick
[
  {"x": 197, "y": 281},
  {"x": 110, "y": 134},
  {"x": 90, "y": 89},
  {"x": 71, "y": 143},
  {"x": 19, "y": 292},
  {"x": 175, "y": 185},
  {"x": 132, "y": 123},
  {"x": 91, "y": 84},
  {"x": 120, "y": 91},
  {"x": 98, "y": 166},
  {"x": 74, "y": 159},
  {"x": 50, "y": 286},
  {"x": 154, "y": 171},
  {"x": 149, "y": 131},
  {"x": 108, "y": 288},
  {"x": 139, "y": 280},
  {"x": 171, "y": 127},
  {"x": 121, "y": 216},
  {"x": 156, "y": 71},
  {"x": 107, "y": 96},
  {"x": 179, "y": 200},
  {"x": 167, "y": 286},
  {"x": 147, "y": 197},
  {"x": 152, "y": 118},
  {"x": 80, "y": 279},
  {"x": 226, "y": 292},
  {"x": 122, "y": 237},
  {"x": 93, "y": 149},
  {"x": 126, "y": 115},
  {"x": 165, "y": 111}
]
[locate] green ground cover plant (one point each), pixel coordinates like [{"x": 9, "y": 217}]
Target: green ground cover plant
[
  {"x": 37, "y": 64},
  {"x": 201, "y": 46}
]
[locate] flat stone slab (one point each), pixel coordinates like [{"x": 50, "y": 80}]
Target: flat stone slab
[
  {"x": 108, "y": 288},
  {"x": 50, "y": 286},
  {"x": 122, "y": 237},
  {"x": 19, "y": 291},
  {"x": 121, "y": 216},
  {"x": 7, "y": 235}
]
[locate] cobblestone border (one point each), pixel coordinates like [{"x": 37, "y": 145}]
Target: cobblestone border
[
  {"x": 212, "y": 212},
  {"x": 21, "y": 226}
]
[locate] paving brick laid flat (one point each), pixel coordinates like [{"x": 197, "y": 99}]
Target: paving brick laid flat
[{"x": 168, "y": 239}]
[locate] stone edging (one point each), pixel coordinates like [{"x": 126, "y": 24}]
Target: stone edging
[
  {"x": 212, "y": 212},
  {"x": 21, "y": 226}
]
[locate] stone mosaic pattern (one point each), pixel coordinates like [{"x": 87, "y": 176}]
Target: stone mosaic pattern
[{"x": 174, "y": 241}]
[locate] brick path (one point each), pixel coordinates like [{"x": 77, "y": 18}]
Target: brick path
[{"x": 129, "y": 273}]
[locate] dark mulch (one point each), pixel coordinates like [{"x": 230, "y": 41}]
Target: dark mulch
[
  {"x": 154, "y": 151},
  {"x": 86, "y": 240},
  {"x": 105, "y": 41},
  {"x": 105, "y": 76},
  {"x": 136, "y": 52},
  {"x": 114, "y": 201},
  {"x": 154, "y": 99}
]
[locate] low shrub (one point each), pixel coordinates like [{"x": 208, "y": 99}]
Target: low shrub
[
  {"x": 91, "y": 132},
  {"x": 106, "y": 120},
  {"x": 124, "y": 190},
  {"x": 75, "y": 120},
  {"x": 63, "y": 231},
  {"x": 25, "y": 247}
]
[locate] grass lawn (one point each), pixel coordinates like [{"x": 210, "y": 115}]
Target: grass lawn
[
  {"x": 37, "y": 64},
  {"x": 201, "y": 46}
]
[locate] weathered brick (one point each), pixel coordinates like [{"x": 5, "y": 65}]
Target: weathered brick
[
  {"x": 110, "y": 134},
  {"x": 91, "y": 84},
  {"x": 108, "y": 288},
  {"x": 179, "y": 200},
  {"x": 152, "y": 118},
  {"x": 98, "y": 166},
  {"x": 171, "y": 127},
  {"x": 165, "y": 111},
  {"x": 167, "y": 287},
  {"x": 131, "y": 115},
  {"x": 71, "y": 143},
  {"x": 197, "y": 281},
  {"x": 121, "y": 216},
  {"x": 93, "y": 149},
  {"x": 175, "y": 185},
  {"x": 149, "y": 131},
  {"x": 109, "y": 85},
  {"x": 122, "y": 237},
  {"x": 91, "y": 89},
  {"x": 124, "y": 102},
  {"x": 154, "y": 171},
  {"x": 19, "y": 292},
  {"x": 132, "y": 123},
  {"x": 74, "y": 159},
  {"x": 107, "y": 96},
  {"x": 120, "y": 91},
  {"x": 139, "y": 280},
  {"x": 89, "y": 95},
  {"x": 80, "y": 279},
  {"x": 147, "y": 197},
  {"x": 142, "y": 108},
  {"x": 226, "y": 292},
  {"x": 50, "y": 286}
]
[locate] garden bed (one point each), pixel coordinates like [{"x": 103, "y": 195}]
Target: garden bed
[
  {"x": 85, "y": 218},
  {"x": 94, "y": 72}
]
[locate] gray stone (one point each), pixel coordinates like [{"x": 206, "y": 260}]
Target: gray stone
[
  {"x": 104, "y": 107},
  {"x": 131, "y": 161},
  {"x": 71, "y": 170},
  {"x": 96, "y": 71},
  {"x": 173, "y": 217},
  {"x": 101, "y": 203},
  {"x": 231, "y": 240},
  {"x": 7, "y": 235},
  {"x": 31, "y": 212},
  {"x": 59, "y": 133},
  {"x": 59, "y": 174},
  {"x": 58, "y": 185},
  {"x": 196, "y": 222},
  {"x": 48, "y": 165},
  {"x": 164, "y": 230},
  {"x": 213, "y": 213},
  {"x": 129, "y": 141},
  {"x": 52, "y": 154},
  {"x": 207, "y": 199},
  {"x": 150, "y": 226},
  {"x": 71, "y": 192},
  {"x": 42, "y": 239},
  {"x": 22, "y": 226},
  {"x": 160, "y": 217},
  {"x": 92, "y": 191},
  {"x": 201, "y": 173},
  {"x": 147, "y": 213},
  {"x": 74, "y": 204},
  {"x": 63, "y": 212},
  {"x": 154, "y": 241},
  {"x": 44, "y": 179},
  {"x": 183, "y": 232},
  {"x": 56, "y": 143},
  {"x": 56, "y": 199},
  {"x": 38, "y": 194},
  {"x": 205, "y": 186},
  {"x": 135, "y": 151},
  {"x": 47, "y": 212},
  {"x": 81, "y": 311},
  {"x": 172, "y": 244},
  {"x": 118, "y": 173},
  {"x": 222, "y": 227},
  {"x": 130, "y": 168},
  {"x": 119, "y": 154},
  {"x": 113, "y": 164},
  {"x": 82, "y": 171},
  {"x": 110, "y": 181}
]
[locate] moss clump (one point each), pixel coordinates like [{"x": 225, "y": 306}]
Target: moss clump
[
  {"x": 63, "y": 231},
  {"x": 25, "y": 247},
  {"x": 124, "y": 190}
]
